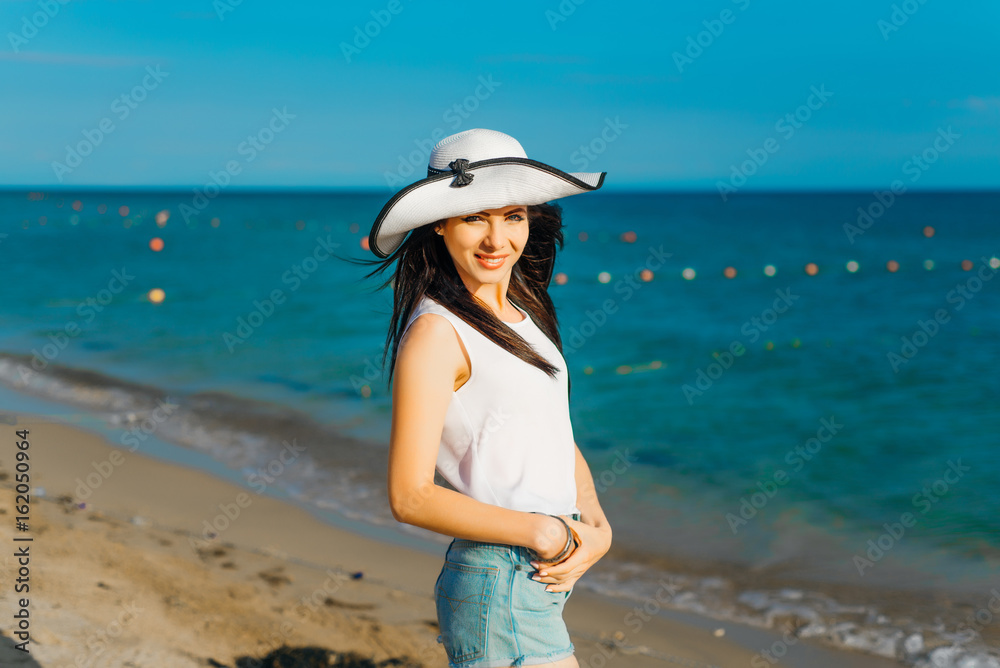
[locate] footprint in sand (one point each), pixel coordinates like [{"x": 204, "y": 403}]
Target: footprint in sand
[{"x": 274, "y": 576}]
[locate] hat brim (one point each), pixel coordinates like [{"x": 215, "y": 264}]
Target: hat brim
[{"x": 497, "y": 182}]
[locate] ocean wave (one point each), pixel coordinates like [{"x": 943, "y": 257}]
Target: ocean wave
[{"x": 277, "y": 447}]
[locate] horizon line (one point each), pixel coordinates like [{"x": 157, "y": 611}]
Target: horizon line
[{"x": 382, "y": 190}]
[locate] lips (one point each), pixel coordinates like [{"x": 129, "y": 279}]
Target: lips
[{"x": 491, "y": 261}]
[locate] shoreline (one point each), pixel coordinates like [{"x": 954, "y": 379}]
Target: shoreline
[{"x": 276, "y": 575}]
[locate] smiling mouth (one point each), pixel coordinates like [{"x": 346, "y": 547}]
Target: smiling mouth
[{"x": 490, "y": 260}]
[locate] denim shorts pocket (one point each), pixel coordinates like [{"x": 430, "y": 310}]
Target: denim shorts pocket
[{"x": 463, "y": 598}]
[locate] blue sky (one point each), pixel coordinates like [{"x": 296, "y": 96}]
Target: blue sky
[{"x": 558, "y": 75}]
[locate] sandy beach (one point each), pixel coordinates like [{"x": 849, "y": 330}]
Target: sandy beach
[{"x": 127, "y": 578}]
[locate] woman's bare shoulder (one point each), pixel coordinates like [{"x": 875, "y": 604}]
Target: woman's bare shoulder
[
  {"x": 431, "y": 341},
  {"x": 429, "y": 334}
]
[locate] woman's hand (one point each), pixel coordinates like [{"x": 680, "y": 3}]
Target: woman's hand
[{"x": 594, "y": 544}]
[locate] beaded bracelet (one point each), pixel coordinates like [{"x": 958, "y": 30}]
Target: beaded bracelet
[{"x": 571, "y": 544}]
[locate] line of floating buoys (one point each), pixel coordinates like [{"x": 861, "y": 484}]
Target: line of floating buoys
[
  {"x": 627, "y": 369},
  {"x": 811, "y": 269},
  {"x": 624, "y": 369}
]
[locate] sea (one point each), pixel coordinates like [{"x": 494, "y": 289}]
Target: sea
[{"x": 789, "y": 401}]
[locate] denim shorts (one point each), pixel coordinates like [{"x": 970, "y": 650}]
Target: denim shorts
[{"x": 491, "y": 613}]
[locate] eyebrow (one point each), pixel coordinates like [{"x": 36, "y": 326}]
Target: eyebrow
[{"x": 485, "y": 215}]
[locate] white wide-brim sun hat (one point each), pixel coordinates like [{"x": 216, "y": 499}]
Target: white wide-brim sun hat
[{"x": 467, "y": 173}]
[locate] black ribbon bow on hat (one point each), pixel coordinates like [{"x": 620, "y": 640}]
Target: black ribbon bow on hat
[{"x": 462, "y": 177}]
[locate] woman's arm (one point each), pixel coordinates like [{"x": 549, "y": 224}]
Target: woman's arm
[
  {"x": 594, "y": 531},
  {"x": 427, "y": 364},
  {"x": 586, "y": 495}
]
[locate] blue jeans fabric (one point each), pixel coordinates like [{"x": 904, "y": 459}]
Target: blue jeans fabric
[{"x": 492, "y": 614}]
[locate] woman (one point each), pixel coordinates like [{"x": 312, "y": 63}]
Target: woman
[{"x": 480, "y": 393}]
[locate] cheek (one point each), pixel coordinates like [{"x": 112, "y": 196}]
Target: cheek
[{"x": 466, "y": 239}]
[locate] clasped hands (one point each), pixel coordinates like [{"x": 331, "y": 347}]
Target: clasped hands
[{"x": 594, "y": 544}]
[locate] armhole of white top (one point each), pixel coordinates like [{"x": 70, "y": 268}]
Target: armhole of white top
[{"x": 472, "y": 366}]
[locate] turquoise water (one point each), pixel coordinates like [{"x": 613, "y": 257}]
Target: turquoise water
[{"x": 679, "y": 432}]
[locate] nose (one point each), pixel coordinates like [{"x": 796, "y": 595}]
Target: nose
[{"x": 495, "y": 237}]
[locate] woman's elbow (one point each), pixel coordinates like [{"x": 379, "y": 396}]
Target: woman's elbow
[
  {"x": 399, "y": 511},
  {"x": 405, "y": 500}
]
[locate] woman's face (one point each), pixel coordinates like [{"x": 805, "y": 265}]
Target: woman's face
[{"x": 493, "y": 234}]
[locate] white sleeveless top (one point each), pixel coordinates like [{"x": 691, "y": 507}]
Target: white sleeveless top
[{"x": 507, "y": 438}]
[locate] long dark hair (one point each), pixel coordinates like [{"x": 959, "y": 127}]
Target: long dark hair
[{"x": 425, "y": 267}]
